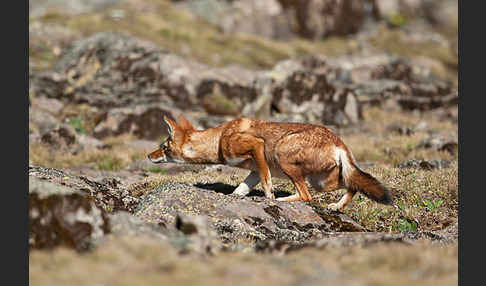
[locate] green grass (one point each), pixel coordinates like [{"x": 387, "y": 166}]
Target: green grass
[
  {"x": 157, "y": 169},
  {"x": 108, "y": 163},
  {"x": 77, "y": 123},
  {"x": 404, "y": 225}
]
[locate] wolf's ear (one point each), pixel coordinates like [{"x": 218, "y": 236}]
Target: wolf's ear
[
  {"x": 172, "y": 126},
  {"x": 184, "y": 123}
]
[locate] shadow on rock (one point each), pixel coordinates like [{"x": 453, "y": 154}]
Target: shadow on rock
[{"x": 229, "y": 189}]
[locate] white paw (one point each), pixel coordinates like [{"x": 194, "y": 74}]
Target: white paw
[
  {"x": 241, "y": 191},
  {"x": 334, "y": 206}
]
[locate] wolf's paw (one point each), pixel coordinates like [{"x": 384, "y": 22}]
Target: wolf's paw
[
  {"x": 334, "y": 207},
  {"x": 271, "y": 196},
  {"x": 240, "y": 192}
]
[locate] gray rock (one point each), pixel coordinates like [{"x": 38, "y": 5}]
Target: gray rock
[
  {"x": 143, "y": 121},
  {"x": 317, "y": 19},
  {"x": 439, "y": 144},
  {"x": 425, "y": 164},
  {"x": 106, "y": 193},
  {"x": 59, "y": 215},
  {"x": 39, "y": 8},
  {"x": 241, "y": 219},
  {"x": 362, "y": 239},
  {"x": 283, "y": 19},
  {"x": 110, "y": 70},
  {"x": 203, "y": 237},
  {"x": 263, "y": 18},
  {"x": 62, "y": 137},
  {"x": 40, "y": 122},
  {"x": 400, "y": 129}
]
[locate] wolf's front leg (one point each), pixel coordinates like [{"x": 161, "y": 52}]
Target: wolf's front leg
[
  {"x": 245, "y": 187},
  {"x": 264, "y": 172}
]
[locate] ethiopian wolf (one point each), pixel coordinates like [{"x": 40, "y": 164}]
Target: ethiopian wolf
[{"x": 298, "y": 151}]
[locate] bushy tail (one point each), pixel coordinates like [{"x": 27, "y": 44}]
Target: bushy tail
[{"x": 356, "y": 179}]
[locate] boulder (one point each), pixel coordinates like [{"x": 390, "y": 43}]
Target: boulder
[
  {"x": 124, "y": 75},
  {"x": 39, "y": 8},
  {"x": 316, "y": 19},
  {"x": 143, "y": 121},
  {"x": 383, "y": 80},
  {"x": 361, "y": 239},
  {"x": 283, "y": 19},
  {"x": 440, "y": 144},
  {"x": 107, "y": 193},
  {"x": 110, "y": 70},
  {"x": 62, "y": 137},
  {"x": 72, "y": 211},
  {"x": 263, "y": 18},
  {"x": 59, "y": 215},
  {"x": 241, "y": 219},
  {"x": 425, "y": 164},
  {"x": 114, "y": 70},
  {"x": 436, "y": 13},
  {"x": 312, "y": 96}
]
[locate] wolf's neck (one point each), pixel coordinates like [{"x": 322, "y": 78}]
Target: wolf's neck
[{"x": 206, "y": 145}]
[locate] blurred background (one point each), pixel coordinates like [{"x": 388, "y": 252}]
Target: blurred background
[
  {"x": 383, "y": 74},
  {"x": 114, "y": 67}
]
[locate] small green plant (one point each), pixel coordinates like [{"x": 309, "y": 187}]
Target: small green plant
[
  {"x": 157, "y": 169},
  {"x": 109, "y": 163},
  {"x": 405, "y": 224},
  {"x": 397, "y": 20},
  {"x": 409, "y": 147},
  {"x": 401, "y": 206},
  {"x": 77, "y": 123},
  {"x": 430, "y": 205}
]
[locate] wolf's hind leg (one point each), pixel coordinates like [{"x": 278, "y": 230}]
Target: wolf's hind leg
[
  {"x": 342, "y": 202},
  {"x": 294, "y": 173}
]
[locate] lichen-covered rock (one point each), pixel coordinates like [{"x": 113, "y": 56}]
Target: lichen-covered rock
[
  {"x": 41, "y": 7},
  {"x": 59, "y": 215},
  {"x": 436, "y": 13},
  {"x": 281, "y": 19},
  {"x": 63, "y": 137},
  {"x": 109, "y": 70},
  {"x": 362, "y": 239},
  {"x": 440, "y": 144},
  {"x": 143, "y": 82},
  {"x": 264, "y": 18},
  {"x": 313, "y": 96},
  {"x": 425, "y": 164},
  {"x": 317, "y": 19},
  {"x": 114, "y": 70},
  {"x": 242, "y": 219},
  {"x": 202, "y": 236},
  {"x": 143, "y": 121},
  {"x": 106, "y": 193},
  {"x": 382, "y": 79}
]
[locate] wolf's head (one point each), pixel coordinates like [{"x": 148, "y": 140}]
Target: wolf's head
[{"x": 171, "y": 150}]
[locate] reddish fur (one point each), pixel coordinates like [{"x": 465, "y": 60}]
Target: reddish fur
[{"x": 294, "y": 149}]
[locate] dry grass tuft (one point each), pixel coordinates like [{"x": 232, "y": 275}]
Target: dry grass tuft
[{"x": 114, "y": 159}]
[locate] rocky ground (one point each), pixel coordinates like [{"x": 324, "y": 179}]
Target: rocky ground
[{"x": 102, "y": 74}]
